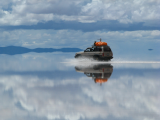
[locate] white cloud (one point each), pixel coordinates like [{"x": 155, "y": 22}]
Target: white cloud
[
  {"x": 33, "y": 11},
  {"x": 155, "y": 33},
  {"x": 72, "y": 38}
]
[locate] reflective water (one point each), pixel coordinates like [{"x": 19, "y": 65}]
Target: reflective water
[{"x": 54, "y": 86}]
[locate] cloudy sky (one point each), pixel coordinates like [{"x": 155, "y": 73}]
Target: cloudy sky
[
  {"x": 36, "y": 86},
  {"x": 78, "y": 23}
]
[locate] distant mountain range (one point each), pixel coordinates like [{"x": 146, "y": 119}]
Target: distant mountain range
[{"x": 13, "y": 50}]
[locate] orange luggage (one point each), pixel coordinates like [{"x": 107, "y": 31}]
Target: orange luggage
[
  {"x": 100, "y": 43},
  {"x": 100, "y": 80}
]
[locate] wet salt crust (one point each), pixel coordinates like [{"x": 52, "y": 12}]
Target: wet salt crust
[{"x": 48, "y": 86}]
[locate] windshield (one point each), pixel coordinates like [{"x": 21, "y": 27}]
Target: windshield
[{"x": 89, "y": 50}]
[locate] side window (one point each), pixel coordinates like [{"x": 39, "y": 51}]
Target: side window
[
  {"x": 107, "y": 49},
  {"x": 91, "y": 49},
  {"x": 97, "y": 49}
]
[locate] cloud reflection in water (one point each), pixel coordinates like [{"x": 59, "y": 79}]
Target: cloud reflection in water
[{"x": 130, "y": 93}]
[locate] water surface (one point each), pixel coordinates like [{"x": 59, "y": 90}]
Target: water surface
[{"x": 54, "y": 86}]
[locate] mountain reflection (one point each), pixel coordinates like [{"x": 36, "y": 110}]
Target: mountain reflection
[{"x": 100, "y": 73}]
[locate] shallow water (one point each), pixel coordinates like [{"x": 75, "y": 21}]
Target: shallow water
[{"x": 50, "y": 86}]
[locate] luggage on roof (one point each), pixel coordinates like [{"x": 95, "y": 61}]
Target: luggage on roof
[{"x": 100, "y": 43}]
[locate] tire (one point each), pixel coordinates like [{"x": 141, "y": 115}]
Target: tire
[{"x": 96, "y": 57}]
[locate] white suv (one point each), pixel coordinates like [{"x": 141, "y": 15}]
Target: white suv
[{"x": 97, "y": 53}]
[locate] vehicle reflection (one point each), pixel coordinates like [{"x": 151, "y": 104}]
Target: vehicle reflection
[{"x": 100, "y": 73}]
